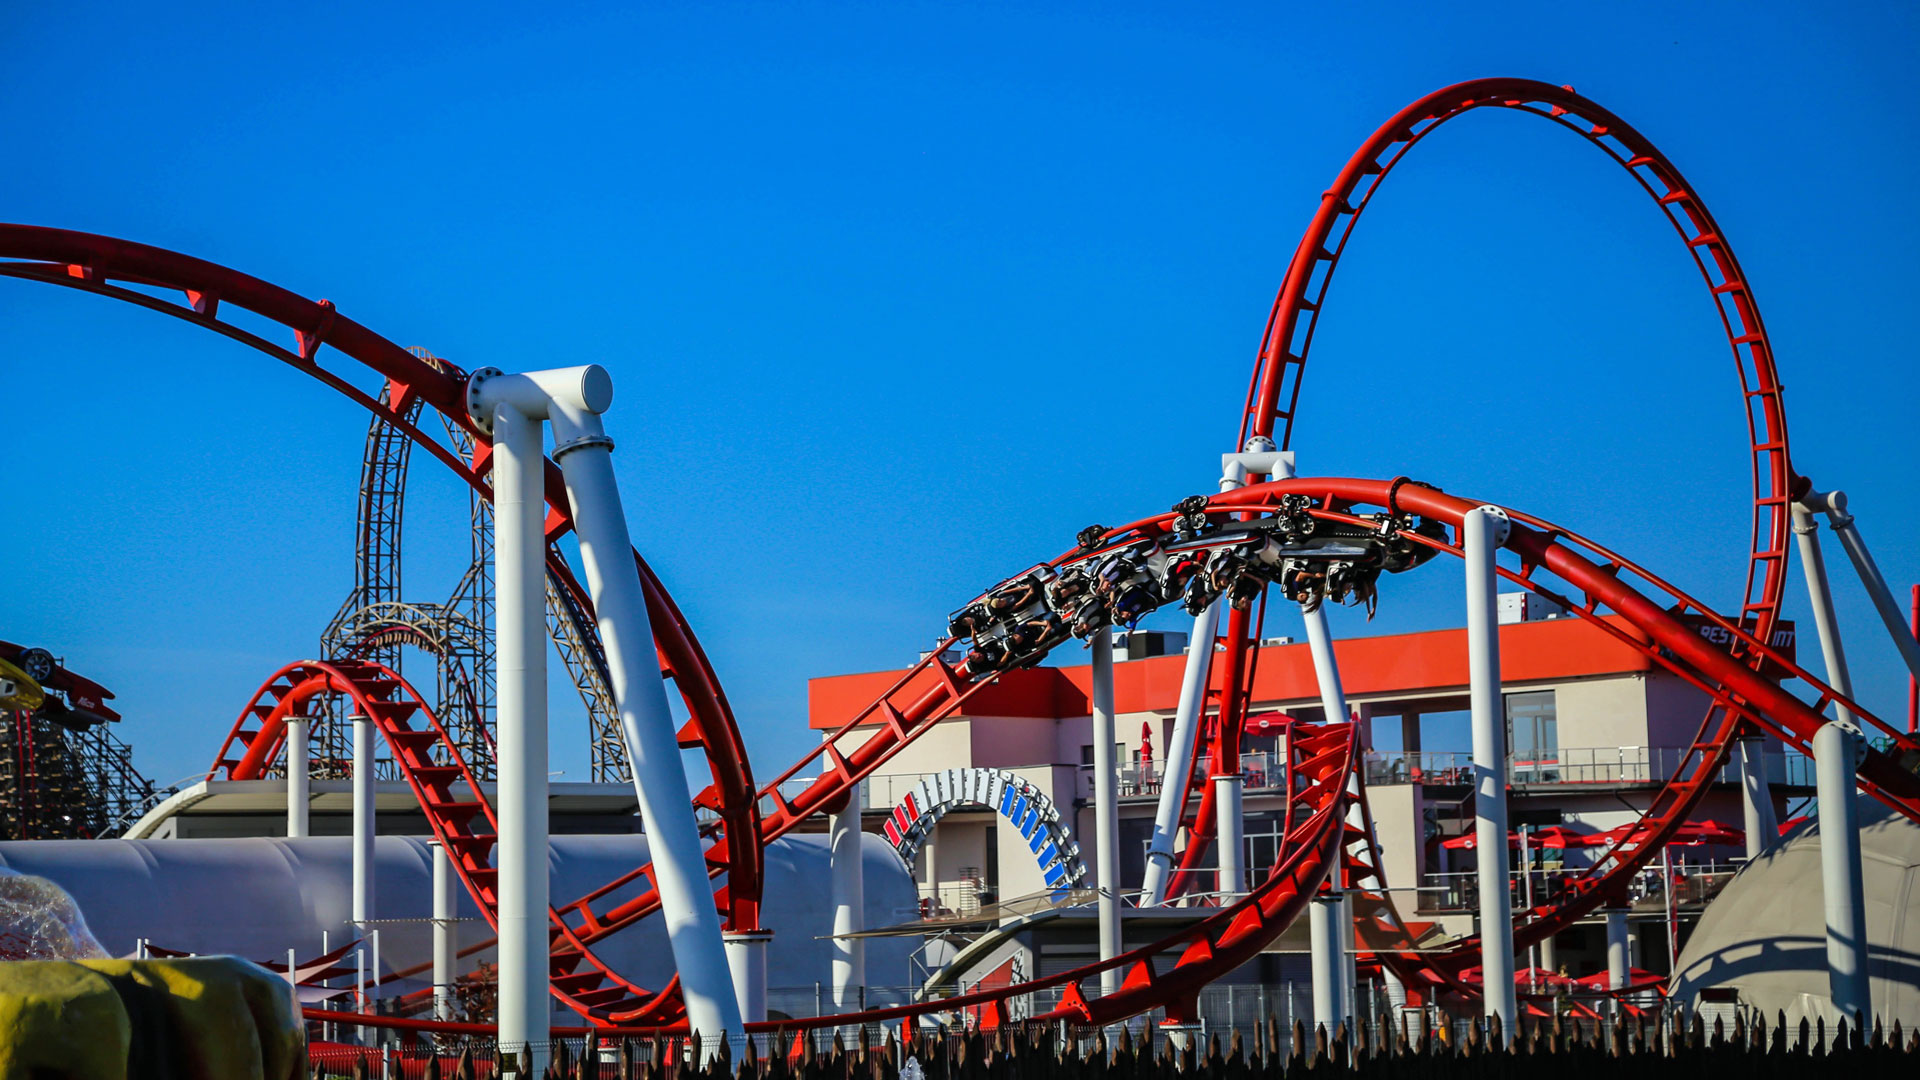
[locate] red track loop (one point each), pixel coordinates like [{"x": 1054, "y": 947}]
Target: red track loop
[
  {"x": 1589, "y": 579},
  {"x": 197, "y": 292},
  {"x": 1274, "y": 392},
  {"x": 450, "y": 797}
]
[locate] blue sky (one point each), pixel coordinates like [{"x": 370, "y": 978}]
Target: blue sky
[{"x": 898, "y": 296}]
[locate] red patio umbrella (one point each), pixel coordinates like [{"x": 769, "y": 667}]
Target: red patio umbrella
[
  {"x": 1559, "y": 836},
  {"x": 1793, "y": 823}
]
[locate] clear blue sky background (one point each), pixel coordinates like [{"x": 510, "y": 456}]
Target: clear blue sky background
[{"x": 897, "y": 296}]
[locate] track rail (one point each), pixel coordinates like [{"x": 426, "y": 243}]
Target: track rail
[{"x": 1273, "y": 394}]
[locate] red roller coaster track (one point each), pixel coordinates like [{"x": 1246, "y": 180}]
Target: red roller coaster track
[
  {"x": 1273, "y": 395},
  {"x": 1553, "y": 561}
]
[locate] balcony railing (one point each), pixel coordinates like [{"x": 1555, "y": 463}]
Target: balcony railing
[
  {"x": 1693, "y": 886},
  {"x": 1573, "y": 765}
]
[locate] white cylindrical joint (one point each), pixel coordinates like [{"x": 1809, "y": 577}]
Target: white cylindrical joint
[
  {"x": 446, "y": 945},
  {"x": 364, "y": 737},
  {"x": 1186, "y": 730},
  {"x": 649, "y": 730},
  {"x": 1324, "y": 942},
  {"x": 298, "y": 785},
  {"x": 1106, "y": 807},
  {"x": 849, "y": 885},
  {"x": 520, "y": 658},
  {"x": 1837, "y": 751},
  {"x": 1227, "y": 788},
  {"x": 1483, "y": 530},
  {"x": 1756, "y": 796},
  {"x": 747, "y": 958}
]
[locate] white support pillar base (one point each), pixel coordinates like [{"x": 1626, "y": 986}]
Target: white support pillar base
[
  {"x": 1325, "y": 937},
  {"x": 747, "y": 958},
  {"x": 1227, "y": 791},
  {"x": 299, "y": 797},
  {"x": 1756, "y": 797},
  {"x": 1837, "y": 751},
  {"x": 363, "y": 822},
  {"x": 1619, "y": 960},
  {"x": 446, "y": 943},
  {"x": 849, "y": 894}
]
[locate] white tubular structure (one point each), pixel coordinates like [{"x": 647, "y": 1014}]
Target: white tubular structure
[
  {"x": 1106, "y": 808},
  {"x": 1179, "y": 764},
  {"x": 572, "y": 399},
  {"x": 298, "y": 789},
  {"x": 1806, "y": 532},
  {"x": 1324, "y": 938},
  {"x": 849, "y": 904},
  {"x": 1756, "y": 799},
  {"x": 1834, "y": 503},
  {"x": 1482, "y": 532},
  {"x": 1227, "y": 789},
  {"x": 1837, "y": 750},
  {"x": 363, "y": 823},
  {"x": 445, "y": 945},
  {"x": 1616, "y": 948},
  {"x": 520, "y": 664},
  {"x": 1349, "y": 960},
  {"x": 747, "y": 956}
]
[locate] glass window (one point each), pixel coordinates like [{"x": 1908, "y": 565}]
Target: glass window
[{"x": 1533, "y": 737}]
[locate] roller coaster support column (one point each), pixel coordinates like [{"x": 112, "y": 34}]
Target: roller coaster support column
[
  {"x": 1834, "y": 503},
  {"x": 1482, "y": 532},
  {"x": 298, "y": 790},
  {"x": 849, "y": 904},
  {"x": 1837, "y": 752},
  {"x": 1806, "y": 532},
  {"x": 1756, "y": 798},
  {"x": 520, "y": 693},
  {"x": 1227, "y": 788},
  {"x": 444, "y": 944},
  {"x": 364, "y": 737},
  {"x": 1106, "y": 808},
  {"x": 572, "y": 399},
  {"x": 1324, "y": 939},
  {"x": 747, "y": 955},
  {"x": 1179, "y": 764},
  {"x": 1617, "y": 958}
]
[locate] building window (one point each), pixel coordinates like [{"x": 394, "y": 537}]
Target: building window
[{"x": 1533, "y": 738}]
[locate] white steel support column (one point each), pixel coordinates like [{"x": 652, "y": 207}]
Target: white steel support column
[
  {"x": 1227, "y": 788},
  {"x": 1324, "y": 939},
  {"x": 1106, "y": 807},
  {"x": 1756, "y": 798},
  {"x": 1482, "y": 532},
  {"x": 363, "y": 821},
  {"x": 520, "y": 659},
  {"x": 1835, "y": 503},
  {"x": 445, "y": 926},
  {"x": 1349, "y": 960},
  {"x": 747, "y": 957},
  {"x": 1617, "y": 948},
  {"x": 572, "y": 399},
  {"x": 1179, "y": 763},
  {"x": 1806, "y": 532},
  {"x": 298, "y": 788},
  {"x": 849, "y": 889},
  {"x": 1837, "y": 750}
]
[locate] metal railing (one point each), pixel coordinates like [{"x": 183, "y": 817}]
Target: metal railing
[
  {"x": 1694, "y": 885},
  {"x": 1573, "y": 765}
]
